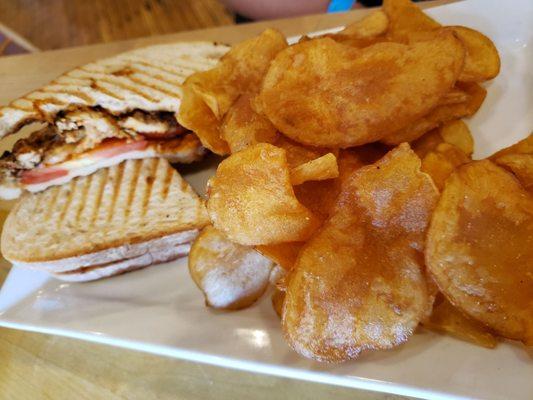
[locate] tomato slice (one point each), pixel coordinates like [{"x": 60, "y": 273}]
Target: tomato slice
[
  {"x": 114, "y": 147},
  {"x": 107, "y": 149},
  {"x": 40, "y": 175}
]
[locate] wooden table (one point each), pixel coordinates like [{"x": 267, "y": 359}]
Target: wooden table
[{"x": 34, "y": 366}]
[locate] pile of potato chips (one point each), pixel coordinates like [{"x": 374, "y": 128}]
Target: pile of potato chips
[{"x": 350, "y": 186}]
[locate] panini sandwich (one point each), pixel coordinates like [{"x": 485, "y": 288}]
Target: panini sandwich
[
  {"x": 129, "y": 216},
  {"x": 101, "y": 114}
]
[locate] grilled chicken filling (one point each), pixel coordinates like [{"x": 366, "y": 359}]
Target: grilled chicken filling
[{"x": 90, "y": 135}]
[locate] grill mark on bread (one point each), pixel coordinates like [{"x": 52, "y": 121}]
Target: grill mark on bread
[
  {"x": 149, "y": 185},
  {"x": 165, "y": 76},
  {"x": 166, "y": 183},
  {"x": 130, "y": 88},
  {"x": 167, "y": 67},
  {"x": 81, "y": 95},
  {"x": 106, "y": 91},
  {"x": 152, "y": 86},
  {"x": 52, "y": 203},
  {"x": 84, "y": 191},
  {"x": 70, "y": 188},
  {"x": 133, "y": 186},
  {"x": 102, "y": 183},
  {"x": 116, "y": 189}
]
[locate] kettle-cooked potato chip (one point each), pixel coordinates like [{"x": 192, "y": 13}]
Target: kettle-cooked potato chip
[
  {"x": 319, "y": 169},
  {"x": 231, "y": 276},
  {"x": 441, "y": 114},
  {"x": 239, "y": 71},
  {"x": 480, "y": 248},
  {"x": 482, "y": 61},
  {"x": 518, "y": 158},
  {"x": 208, "y": 95},
  {"x": 283, "y": 254},
  {"x": 454, "y": 132},
  {"x": 521, "y": 165},
  {"x": 454, "y": 96},
  {"x": 323, "y": 93},
  {"x": 243, "y": 127},
  {"x": 372, "y": 25},
  {"x": 442, "y": 161},
  {"x": 251, "y": 200},
  {"x": 195, "y": 115},
  {"x": 406, "y": 17},
  {"x": 448, "y": 319},
  {"x": 359, "y": 283}
]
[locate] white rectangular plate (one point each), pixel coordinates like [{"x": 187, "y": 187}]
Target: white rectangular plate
[{"x": 159, "y": 309}]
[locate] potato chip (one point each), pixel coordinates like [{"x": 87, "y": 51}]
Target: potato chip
[
  {"x": 359, "y": 284},
  {"x": 446, "y": 318},
  {"x": 525, "y": 146},
  {"x": 319, "y": 169},
  {"x": 323, "y": 93},
  {"x": 406, "y": 17},
  {"x": 521, "y": 165},
  {"x": 442, "y": 161},
  {"x": 480, "y": 248},
  {"x": 277, "y": 301},
  {"x": 239, "y": 71},
  {"x": 372, "y": 25},
  {"x": 283, "y": 254},
  {"x": 453, "y": 132},
  {"x": 298, "y": 154},
  {"x": 196, "y": 116},
  {"x": 482, "y": 61},
  {"x": 251, "y": 200},
  {"x": 454, "y": 96},
  {"x": 231, "y": 276},
  {"x": 518, "y": 159},
  {"x": 441, "y": 114},
  {"x": 243, "y": 127}
]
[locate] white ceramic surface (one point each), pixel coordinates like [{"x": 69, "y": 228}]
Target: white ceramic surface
[{"x": 159, "y": 309}]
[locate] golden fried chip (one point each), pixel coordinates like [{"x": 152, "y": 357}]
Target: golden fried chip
[
  {"x": 319, "y": 169},
  {"x": 453, "y": 132},
  {"x": 283, "y": 254},
  {"x": 243, "y": 127},
  {"x": 231, "y": 276},
  {"x": 525, "y": 146},
  {"x": 277, "y": 301},
  {"x": 456, "y": 132},
  {"x": 298, "y": 154},
  {"x": 442, "y": 161},
  {"x": 196, "y": 116},
  {"x": 406, "y": 17},
  {"x": 480, "y": 248},
  {"x": 441, "y": 114},
  {"x": 446, "y": 318},
  {"x": 251, "y": 199},
  {"x": 482, "y": 61},
  {"x": 521, "y": 165},
  {"x": 362, "y": 94},
  {"x": 454, "y": 96},
  {"x": 239, "y": 71},
  {"x": 358, "y": 283},
  {"x": 372, "y": 25}
]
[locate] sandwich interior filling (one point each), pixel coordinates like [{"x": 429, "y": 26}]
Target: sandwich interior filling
[{"x": 80, "y": 138}]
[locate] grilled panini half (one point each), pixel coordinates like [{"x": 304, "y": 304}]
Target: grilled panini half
[
  {"x": 120, "y": 108},
  {"x": 131, "y": 215}
]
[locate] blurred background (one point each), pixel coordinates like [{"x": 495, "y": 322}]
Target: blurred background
[{"x": 32, "y": 25}]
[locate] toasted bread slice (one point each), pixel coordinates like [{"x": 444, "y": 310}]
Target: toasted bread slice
[
  {"x": 151, "y": 257},
  {"x": 148, "y": 79},
  {"x": 116, "y": 208}
]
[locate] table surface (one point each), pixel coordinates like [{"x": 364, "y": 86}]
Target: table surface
[{"x": 36, "y": 366}]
